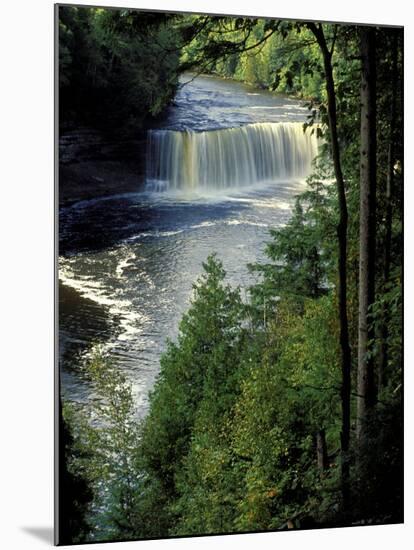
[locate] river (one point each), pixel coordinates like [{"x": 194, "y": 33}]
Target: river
[{"x": 223, "y": 167}]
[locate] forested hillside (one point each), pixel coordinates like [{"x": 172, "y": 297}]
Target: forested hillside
[{"x": 116, "y": 67}]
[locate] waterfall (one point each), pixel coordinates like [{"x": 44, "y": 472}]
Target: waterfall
[{"x": 231, "y": 157}]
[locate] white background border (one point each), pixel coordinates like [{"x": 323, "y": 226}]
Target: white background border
[{"x": 26, "y": 304}]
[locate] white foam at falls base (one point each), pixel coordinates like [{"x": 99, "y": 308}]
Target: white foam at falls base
[{"x": 226, "y": 158}]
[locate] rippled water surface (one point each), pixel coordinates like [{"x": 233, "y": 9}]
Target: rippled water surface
[
  {"x": 127, "y": 262},
  {"x": 207, "y": 102}
]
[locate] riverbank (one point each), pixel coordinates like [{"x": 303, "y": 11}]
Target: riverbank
[
  {"x": 92, "y": 164},
  {"x": 297, "y": 95}
]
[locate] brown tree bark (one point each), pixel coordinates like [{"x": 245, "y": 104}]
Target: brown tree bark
[
  {"x": 366, "y": 384},
  {"x": 319, "y": 34},
  {"x": 383, "y": 356},
  {"x": 321, "y": 453}
]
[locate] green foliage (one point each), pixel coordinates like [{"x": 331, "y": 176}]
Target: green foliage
[
  {"x": 253, "y": 52},
  {"x": 108, "y": 433},
  {"x": 302, "y": 253},
  {"x": 117, "y": 67},
  {"x": 199, "y": 376},
  {"x": 286, "y": 399},
  {"x": 75, "y": 493}
]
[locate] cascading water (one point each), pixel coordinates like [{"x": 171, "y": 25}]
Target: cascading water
[
  {"x": 128, "y": 262},
  {"x": 231, "y": 157}
]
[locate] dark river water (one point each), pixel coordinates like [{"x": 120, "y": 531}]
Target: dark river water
[{"x": 128, "y": 261}]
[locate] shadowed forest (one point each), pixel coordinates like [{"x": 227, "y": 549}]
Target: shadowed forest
[{"x": 279, "y": 404}]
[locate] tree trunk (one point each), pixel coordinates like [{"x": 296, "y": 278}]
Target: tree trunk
[
  {"x": 383, "y": 358},
  {"x": 366, "y": 385},
  {"x": 321, "y": 453},
  {"x": 317, "y": 31}
]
